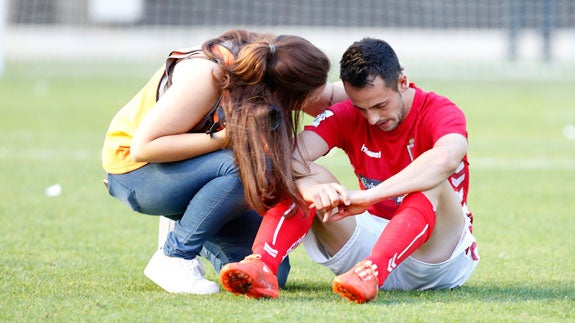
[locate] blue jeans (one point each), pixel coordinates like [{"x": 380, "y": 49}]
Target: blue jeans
[{"x": 205, "y": 196}]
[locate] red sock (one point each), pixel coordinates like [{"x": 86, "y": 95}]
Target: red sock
[
  {"x": 278, "y": 235},
  {"x": 409, "y": 229}
]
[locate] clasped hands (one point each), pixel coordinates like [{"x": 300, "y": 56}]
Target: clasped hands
[{"x": 334, "y": 202}]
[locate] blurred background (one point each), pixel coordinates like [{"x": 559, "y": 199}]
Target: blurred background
[
  {"x": 436, "y": 38},
  {"x": 71, "y": 251}
]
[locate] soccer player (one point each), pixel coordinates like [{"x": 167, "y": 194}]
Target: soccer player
[
  {"x": 167, "y": 152},
  {"x": 409, "y": 227}
]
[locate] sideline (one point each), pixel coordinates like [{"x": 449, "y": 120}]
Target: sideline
[{"x": 47, "y": 154}]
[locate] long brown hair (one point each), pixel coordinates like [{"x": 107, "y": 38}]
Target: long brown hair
[{"x": 263, "y": 92}]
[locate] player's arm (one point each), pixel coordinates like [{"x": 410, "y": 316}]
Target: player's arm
[
  {"x": 163, "y": 134},
  {"x": 310, "y": 147},
  {"x": 426, "y": 172},
  {"x": 316, "y": 184}
]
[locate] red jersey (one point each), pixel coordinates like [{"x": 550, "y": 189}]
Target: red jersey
[{"x": 377, "y": 155}]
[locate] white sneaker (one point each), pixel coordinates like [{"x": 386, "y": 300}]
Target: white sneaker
[{"x": 178, "y": 275}]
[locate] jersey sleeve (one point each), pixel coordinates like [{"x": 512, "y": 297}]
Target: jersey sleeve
[
  {"x": 332, "y": 125},
  {"x": 445, "y": 118}
]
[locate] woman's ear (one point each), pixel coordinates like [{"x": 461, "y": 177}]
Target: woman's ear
[{"x": 275, "y": 117}]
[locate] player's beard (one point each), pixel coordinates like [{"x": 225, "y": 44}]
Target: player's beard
[{"x": 402, "y": 113}]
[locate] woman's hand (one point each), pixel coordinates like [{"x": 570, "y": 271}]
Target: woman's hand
[{"x": 222, "y": 137}]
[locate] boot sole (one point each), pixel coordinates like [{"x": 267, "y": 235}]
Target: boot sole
[
  {"x": 241, "y": 283},
  {"x": 349, "y": 292}
]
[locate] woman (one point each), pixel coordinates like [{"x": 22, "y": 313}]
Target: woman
[{"x": 166, "y": 152}]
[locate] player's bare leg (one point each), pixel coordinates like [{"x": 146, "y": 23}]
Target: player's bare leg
[
  {"x": 332, "y": 235},
  {"x": 449, "y": 223}
]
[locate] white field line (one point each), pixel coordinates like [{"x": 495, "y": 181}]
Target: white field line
[
  {"x": 47, "y": 154},
  {"x": 522, "y": 163}
]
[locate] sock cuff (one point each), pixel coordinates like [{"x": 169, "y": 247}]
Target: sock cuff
[{"x": 420, "y": 203}]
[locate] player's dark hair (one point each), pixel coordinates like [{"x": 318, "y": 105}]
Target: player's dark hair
[{"x": 368, "y": 58}]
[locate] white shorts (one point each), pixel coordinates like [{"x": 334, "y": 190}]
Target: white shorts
[{"x": 411, "y": 274}]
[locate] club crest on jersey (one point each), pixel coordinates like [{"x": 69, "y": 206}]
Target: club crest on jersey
[
  {"x": 322, "y": 116},
  {"x": 410, "y": 148}
]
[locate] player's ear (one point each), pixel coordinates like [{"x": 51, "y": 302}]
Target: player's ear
[{"x": 403, "y": 83}]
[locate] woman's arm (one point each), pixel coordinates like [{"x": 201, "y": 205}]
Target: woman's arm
[
  {"x": 163, "y": 134},
  {"x": 331, "y": 93}
]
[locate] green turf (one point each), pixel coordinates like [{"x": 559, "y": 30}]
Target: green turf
[{"x": 80, "y": 256}]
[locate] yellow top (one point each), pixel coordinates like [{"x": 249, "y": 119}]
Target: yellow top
[{"x": 116, "y": 157}]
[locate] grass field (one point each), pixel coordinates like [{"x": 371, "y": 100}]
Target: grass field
[{"x": 80, "y": 256}]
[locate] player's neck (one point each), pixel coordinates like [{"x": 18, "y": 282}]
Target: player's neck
[{"x": 408, "y": 96}]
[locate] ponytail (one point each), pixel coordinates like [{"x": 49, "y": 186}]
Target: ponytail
[{"x": 252, "y": 63}]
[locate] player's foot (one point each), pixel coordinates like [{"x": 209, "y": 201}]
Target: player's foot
[
  {"x": 178, "y": 275},
  {"x": 358, "y": 285},
  {"x": 250, "y": 277}
]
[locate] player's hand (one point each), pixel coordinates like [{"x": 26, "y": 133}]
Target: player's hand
[
  {"x": 326, "y": 198},
  {"x": 358, "y": 202}
]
